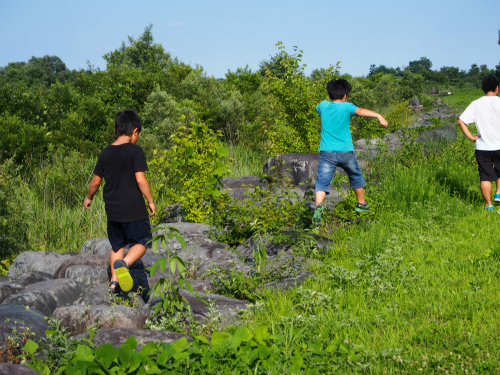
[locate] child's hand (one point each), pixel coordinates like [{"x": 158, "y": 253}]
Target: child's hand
[
  {"x": 152, "y": 208},
  {"x": 87, "y": 202},
  {"x": 383, "y": 122}
]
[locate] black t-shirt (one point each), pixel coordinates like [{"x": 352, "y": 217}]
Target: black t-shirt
[{"x": 122, "y": 197}]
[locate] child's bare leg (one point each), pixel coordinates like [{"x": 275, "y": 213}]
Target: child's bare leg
[
  {"x": 319, "y": 197},
  {"x": 486, "y": 191},
  {"x": 498, "y": 186},
  {"x": 114, "y": 255},
  {"x": 360, "y": 194},
  {"x": 134, "y": 254}
]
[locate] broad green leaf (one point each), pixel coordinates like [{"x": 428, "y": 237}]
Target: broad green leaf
[
  {"x": 202, "y": 339},
  {"x": 219, "y": 337},
  {"x": 84, "y": 353},
  {"x": 244, "y": 334},
  {"x": 30, "y": 347}
]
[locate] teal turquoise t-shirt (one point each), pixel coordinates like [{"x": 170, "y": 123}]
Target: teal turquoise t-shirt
[{"x": 335, "y": 122}]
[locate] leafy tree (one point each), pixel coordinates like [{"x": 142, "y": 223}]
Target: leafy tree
[
  {"x": 374, "y": 70},
  {"x": 141, "y": 53},
  {"x": 294, "y": 98}
]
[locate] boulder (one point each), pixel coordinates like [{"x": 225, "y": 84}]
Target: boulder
[
  {"x": 48, "y": 262},
  {"x": 437, "y": 102},
  {"x": 118, "y": 336},
  {"x": 99, "y": 246},
  {"x": 295, "y": 168},
  {"x": 13, "y": 369},
  {"x": 241, "y": 182},
  {"x": 414, "y": 102},
  {"x": 16, "y": 316},
  {"x": 79, "y": 319},
  {"x": 28, "y": 278},
  {"x": 445, "y": 134},
  {"x": 88, "y": 275},
  {"x": 82, "y": 260},
  {"x": 7, "y": 289},
  {"x": 46, "y": 296},
  {"x": 291, "y": 282}
]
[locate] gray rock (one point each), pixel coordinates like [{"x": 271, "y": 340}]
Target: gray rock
[
  {"x": 443, "y": 134},
  {"x": 203, "y": 254},
  {"x": 6, "y": 290},
  {"x": 78, "y": 319},
  {"x": 13, "y": 369},
  {"x": 99, "y": 246},
  {"x": 240, "y": 182},
  {"x": 28, "y": 278},
  {"x": 414, "y": 102},
  {"x": 291, "y": 282},
  {"x": 16, "y": 316},
  {"x": 302, "y": 167},
  {"x": 437, "y": 102},
  {"x": 46, "y": 296},
  {"x": 187, "y": 229},
  {"x": 95, "y": 295},
  {"x": 88, "y": 275},
  {"x": 118, "y": 336},
  {"x": 82, "y": 260},
  {"x": 48, "y": 262}
]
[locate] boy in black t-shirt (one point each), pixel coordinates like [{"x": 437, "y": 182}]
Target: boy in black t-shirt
[{"x": 122, "y": 165}]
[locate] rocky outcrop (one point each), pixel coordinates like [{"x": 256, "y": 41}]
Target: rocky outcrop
[{"x": 74, "y": 288}]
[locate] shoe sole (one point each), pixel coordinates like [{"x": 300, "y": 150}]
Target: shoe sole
[
  {"x": 496, "y": 200},
  {"x": 123, "y": 274},
  {"x": 361, "y": 210}
]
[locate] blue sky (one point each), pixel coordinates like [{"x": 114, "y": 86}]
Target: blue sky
[{"x": 222, "y": 35}]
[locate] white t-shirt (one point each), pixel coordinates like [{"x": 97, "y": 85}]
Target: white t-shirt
[{"x": 485, "y": 112}]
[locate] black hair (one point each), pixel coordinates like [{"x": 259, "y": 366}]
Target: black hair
[
  {"x": 490, "y": 83},
  {"x": 337, "y": 88},
  {"x": 126, "y": 121}
]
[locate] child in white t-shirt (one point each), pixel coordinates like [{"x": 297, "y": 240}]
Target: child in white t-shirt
[{"x": 485, "y": 112}]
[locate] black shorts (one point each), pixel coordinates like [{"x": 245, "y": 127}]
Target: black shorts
[
  {"x": 123, "y": 234},
  {"x": 488, "y": 163}
]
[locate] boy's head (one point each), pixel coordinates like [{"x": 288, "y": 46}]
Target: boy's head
[
  {"x": 338, "y": 88},
  {"x": 490, "y": 83},
  {"x": 126, "y": 121}
]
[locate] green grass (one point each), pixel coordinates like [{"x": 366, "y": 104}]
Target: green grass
[
  {"x": 463, "y": 98},
  {"x": 416, "y": 289},
  {"x": 420, "y": 282},
  {"x": 246, "y": 160}
]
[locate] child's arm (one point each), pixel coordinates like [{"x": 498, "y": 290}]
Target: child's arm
[
  {"x": 468, "y": 134},
  {"x": 140, "y": 177},
  {"x": 93, "y": 187},
  {"x": 367, "y": 113}
]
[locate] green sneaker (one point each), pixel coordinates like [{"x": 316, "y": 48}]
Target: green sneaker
[
  {"x": 489, "y": 208},
  {"x": 360, "y": 207},
  {"x": 316, "y": 220}
]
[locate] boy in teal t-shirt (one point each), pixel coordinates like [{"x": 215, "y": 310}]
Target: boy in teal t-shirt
[{"x": 336, "y": 148}]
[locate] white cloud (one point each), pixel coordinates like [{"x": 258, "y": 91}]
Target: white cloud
[{"x": 177, "y": 24}]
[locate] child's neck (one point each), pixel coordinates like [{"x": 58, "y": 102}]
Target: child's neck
[
  {"x": 343, "y": 100},
  {"x": 122, "y": 139}
]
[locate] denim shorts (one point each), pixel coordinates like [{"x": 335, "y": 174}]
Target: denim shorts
[
  {"x": 123, "y": 234},
  {"x": 329, "y": 161}
]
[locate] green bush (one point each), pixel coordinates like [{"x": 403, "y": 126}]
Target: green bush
[{"x": 189, "y": 171}]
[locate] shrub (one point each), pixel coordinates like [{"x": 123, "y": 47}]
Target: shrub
[{"x": 188, "y": 172}]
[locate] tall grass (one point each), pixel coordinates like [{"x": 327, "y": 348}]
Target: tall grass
[
  {"x": 418, "y": 288},
  {"x": 246, "y": 160}
]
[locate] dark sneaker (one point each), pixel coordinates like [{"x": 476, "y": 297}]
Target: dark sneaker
[
  {"x": 360, "y": 207},
  {"x": 489, "y": 208},
  {"x": 316, "y": 220},
  {"x": 496, "y": 198}
]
